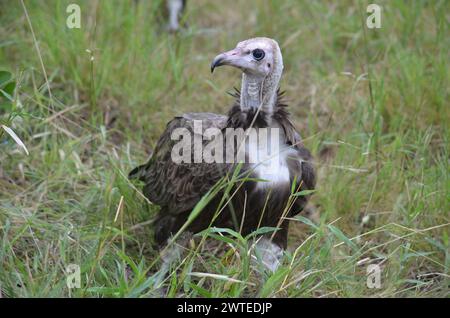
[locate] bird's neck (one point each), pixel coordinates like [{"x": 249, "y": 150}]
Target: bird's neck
[{"x": 259, "y": 92}]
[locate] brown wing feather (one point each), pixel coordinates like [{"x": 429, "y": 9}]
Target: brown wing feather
[{"x": 178, "y": 187}]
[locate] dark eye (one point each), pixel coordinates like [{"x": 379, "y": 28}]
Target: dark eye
[{"x": 258, "y": 54}]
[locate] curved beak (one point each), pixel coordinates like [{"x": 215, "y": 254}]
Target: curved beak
[{"x": 231, "y": 58}]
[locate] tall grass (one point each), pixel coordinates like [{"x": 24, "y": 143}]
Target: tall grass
[{"x": 383, "y": 187}]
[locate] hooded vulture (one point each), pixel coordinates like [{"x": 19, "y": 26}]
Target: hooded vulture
[{"x": 265, "y": 198}]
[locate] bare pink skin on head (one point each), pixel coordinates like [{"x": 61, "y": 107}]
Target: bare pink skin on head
[{"x": 261, "y": 63}]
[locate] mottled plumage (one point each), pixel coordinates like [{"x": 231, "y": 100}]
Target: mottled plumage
[{"x": 177, "y": 188}]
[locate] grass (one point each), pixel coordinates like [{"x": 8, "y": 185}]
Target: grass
[{"x": 381, "y": 153}]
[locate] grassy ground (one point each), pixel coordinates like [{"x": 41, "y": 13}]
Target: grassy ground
[{"x": 382, "y": 149}]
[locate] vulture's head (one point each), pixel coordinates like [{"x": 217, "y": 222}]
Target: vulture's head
[{"x": 259, "y": 57}]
